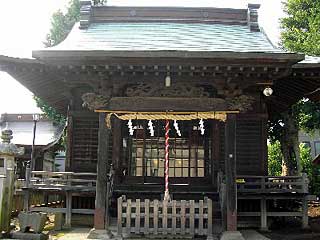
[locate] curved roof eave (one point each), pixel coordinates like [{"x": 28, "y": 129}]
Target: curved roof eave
[{"x": 47, "y": 55}]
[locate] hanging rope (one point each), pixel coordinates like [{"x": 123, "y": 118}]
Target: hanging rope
[
  {"x": 166, "y": 192},
  {"x": 178, "y": 116}
]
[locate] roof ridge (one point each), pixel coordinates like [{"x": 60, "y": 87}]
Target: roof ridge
[{"x": 96, "y": 14}]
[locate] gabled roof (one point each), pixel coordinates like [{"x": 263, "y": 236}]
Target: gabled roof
[
  {"x": 123, "y": 41},
  {"x": 146, "y": 30},
  {"x": 154, "y": 36}
]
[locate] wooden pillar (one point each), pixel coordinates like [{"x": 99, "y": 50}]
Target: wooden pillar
[
  {"x": 263, "y": 212},
  {"x": 264, "y": 144},
  {"x": 305, "y": 220},
  {"x": 116, "y": 148},
  {"x": 230, "y": 165},
  {"x": 215, "y": 153},
  {"x": 102, "y": 170},
  {"x": 26, "y": 190},
  {"x": 305, "y": 190},
  {"x": 68, "y": 209},
  {"x": 69, "y": 150}
]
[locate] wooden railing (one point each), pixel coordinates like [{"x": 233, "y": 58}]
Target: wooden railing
[
  {"x": 273, "y": 184},
  {"x": 61, "y": 181},
  {"x": 167, "y": 218}
]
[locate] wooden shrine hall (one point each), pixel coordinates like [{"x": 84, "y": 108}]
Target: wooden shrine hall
[{"x": 174, "y": 95}]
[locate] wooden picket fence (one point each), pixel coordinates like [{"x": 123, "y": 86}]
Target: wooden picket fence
[{"x": 166, "y": 218}]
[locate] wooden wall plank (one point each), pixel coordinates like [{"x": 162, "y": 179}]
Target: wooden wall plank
[
  {"x": 192, "y": 217},
  {"x": 230, "y": 172},
  {"x": 119, "y": 221},
  {"x": 201, "y": 217},
  {"x": 155, "y": 216},
  {"x": 174, "y": 217},
  {"x": 137, "y": 220},
  {"x": 251, "y": 145},
  {"x": 146, "y": 215},
  {"x": 210, "y": 219},
  {"x": 183, "y": 216},
  {"x": 128, "y": 216},
  {"x": 164, "y": 217}
]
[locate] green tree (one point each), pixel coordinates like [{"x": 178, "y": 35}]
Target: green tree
[
  {"x": 284, "y": 127},
  {"x": 300, "y": 33},
  {"x": 274, "y": 159},
  {"x": 50, "y": 112},
  {"x": 61, "y": 25},
  {"x": 301, "y": 27},
  {"x": 311, "y": 170}
]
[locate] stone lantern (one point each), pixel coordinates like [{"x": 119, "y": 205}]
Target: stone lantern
[{"x": 8, "y": 151}]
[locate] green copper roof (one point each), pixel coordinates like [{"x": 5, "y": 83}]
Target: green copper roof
[{"x": 166, "y": 37}]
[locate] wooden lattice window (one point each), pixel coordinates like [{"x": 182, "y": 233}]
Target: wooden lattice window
[{"x": 188, "y": 157}]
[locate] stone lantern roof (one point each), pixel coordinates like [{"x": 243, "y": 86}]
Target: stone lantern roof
[{"x": 8, "y": 148}]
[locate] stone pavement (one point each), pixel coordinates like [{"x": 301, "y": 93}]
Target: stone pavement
[
  {"x": 75, "y": 234},
  {"x": 82, "y": 233},
  {"x": 253, "y": 235}
]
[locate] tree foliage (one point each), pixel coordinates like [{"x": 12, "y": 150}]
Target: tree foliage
[
  {"x": 311, "y": 170},
  {"x": 308, "y": 115},
  {"x": 61, "y": 25},
  {"x": 284, "y": 127},
  {"x": 50, "y": 112},
  {"x": 275, "y": 160},
  {"x": 301, "y": 27},
  {"x": 305, "y": 113},
  {"x": 300, "y": 33}
]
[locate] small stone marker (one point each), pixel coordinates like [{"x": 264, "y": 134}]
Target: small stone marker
[{"x": 35, "y": 221}]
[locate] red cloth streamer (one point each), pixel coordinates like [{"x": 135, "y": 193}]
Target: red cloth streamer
[{"x": 166, "y": 193}]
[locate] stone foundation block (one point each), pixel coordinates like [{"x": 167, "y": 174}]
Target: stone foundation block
[{"x": 232, "y": 235}]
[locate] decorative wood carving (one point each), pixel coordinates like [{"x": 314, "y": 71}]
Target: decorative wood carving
[
  {"x": 229, "y": 90},
  {"x": 152, "y": 96},
  {"x": 242, "y": 103},
  {"x": 94, "y": 101},
  {"x": 101, "y": 86},
  {"x": 176, "y": 90}
]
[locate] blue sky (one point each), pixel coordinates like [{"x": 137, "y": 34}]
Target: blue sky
[{"x": 27, "y": 27}]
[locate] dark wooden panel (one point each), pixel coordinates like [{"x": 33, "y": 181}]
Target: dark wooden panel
[
  {"x": 85, "y": 143},
  {"x": 250, "y": 140},
  {"x": 222, "y": 147}
]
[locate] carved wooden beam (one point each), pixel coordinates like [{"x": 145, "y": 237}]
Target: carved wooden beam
[{"x": 147, "y": 104}]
